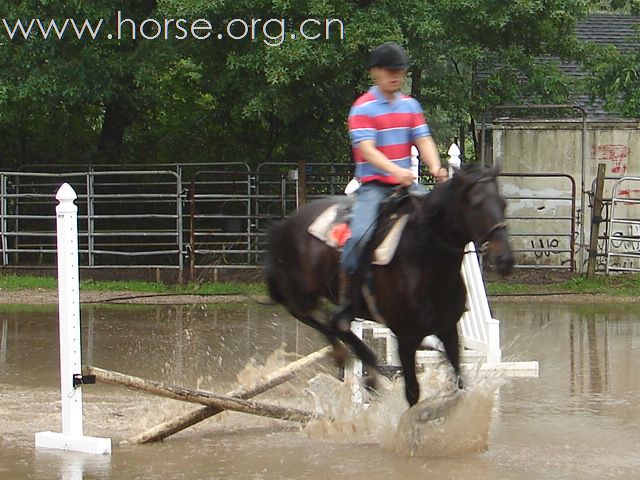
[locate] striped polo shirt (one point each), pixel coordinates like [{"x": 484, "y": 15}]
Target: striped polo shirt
[{"x": 394, "y": 125}]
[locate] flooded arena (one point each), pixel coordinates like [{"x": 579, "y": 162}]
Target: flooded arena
[{"x": 579, "y": 419}]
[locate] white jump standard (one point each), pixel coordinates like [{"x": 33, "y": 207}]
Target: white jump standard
[{"x": 72, "y": 436}]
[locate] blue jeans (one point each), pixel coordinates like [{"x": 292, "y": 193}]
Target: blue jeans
[{"x": 364, "y": 220}]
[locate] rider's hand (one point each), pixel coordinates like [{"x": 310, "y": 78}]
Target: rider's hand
[
  {"x": 404, "y": 176},
  {"x": 441, "y": 175}
]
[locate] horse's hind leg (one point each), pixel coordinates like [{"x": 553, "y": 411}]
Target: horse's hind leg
[
  {"x": 359, "y": 348},
  {"x": 362, "y": 351},
  {"x": 339, "y": 354}
]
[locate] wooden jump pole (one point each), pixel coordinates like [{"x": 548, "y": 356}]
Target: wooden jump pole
[
  {"x": 171, "y": 427},
  {"x": 198, "y": 396}
]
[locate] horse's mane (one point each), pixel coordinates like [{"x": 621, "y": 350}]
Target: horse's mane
[
  {"x": 442, "y": 195},
  {"x": 441, "y": 200}
]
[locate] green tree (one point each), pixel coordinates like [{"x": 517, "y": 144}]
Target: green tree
[
  {"x": 615, "y": 78},
  {"x": 65, "y": 98},
  {"x": 261, "y": 99},
  {"x": 615, "y": 73}
]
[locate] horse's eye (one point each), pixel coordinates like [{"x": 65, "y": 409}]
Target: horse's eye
[{"x": 476, "y": 201}]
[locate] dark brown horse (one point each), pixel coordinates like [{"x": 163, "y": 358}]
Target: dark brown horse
[{"x": 421, "y": 291}]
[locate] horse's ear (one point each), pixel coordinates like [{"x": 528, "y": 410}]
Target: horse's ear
[
  {"x": 495, "y": 170},
  {"x": 458, "y": 173}
]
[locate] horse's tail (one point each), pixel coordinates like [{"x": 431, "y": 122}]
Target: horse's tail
[{"x": 269, "y": 271}]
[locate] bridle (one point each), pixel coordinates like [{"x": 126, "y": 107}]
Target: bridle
[
  {"x": 482, "y": 240},
  {"x": 495, "y": 228},
  {"x": 487, "y": 236}
]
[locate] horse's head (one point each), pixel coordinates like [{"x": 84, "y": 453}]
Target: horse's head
[{"x": 482, "y": 208}]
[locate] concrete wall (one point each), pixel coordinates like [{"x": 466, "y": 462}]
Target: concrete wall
[{"x": 556, "y": 147}]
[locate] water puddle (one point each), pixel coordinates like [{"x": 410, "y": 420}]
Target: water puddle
[{"x": 580, "y": 419}]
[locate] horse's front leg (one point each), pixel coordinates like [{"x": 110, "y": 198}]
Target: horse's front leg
[
  {"x": 407, "y": 353},
  {"x": 451, "y": 344}
]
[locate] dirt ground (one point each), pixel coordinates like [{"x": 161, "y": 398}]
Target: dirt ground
[
  {"x": 530, "y": 276},
  {"x": 45, "y": 296}
]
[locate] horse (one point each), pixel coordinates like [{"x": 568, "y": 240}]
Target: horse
[{"x": 420, "y": 291}]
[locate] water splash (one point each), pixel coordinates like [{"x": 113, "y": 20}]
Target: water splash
[
  {"x": 253, "y": 372},
  {"x": 445, "y": 423}
]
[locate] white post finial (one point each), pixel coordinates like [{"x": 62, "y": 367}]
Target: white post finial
[
  {"x": 415, "y": 164},
  {"x": 65, "y": 194},
  {"x": 72, "y": 437},
  {"x": 454, "y": 161}
]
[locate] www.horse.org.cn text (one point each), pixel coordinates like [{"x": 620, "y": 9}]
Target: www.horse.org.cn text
[{"x": 271, "y": 31}]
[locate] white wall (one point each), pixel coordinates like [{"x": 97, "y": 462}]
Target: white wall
[{"x": 556, "y": 147}]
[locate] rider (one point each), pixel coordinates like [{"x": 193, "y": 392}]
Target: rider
[{"x": 383, "y": 125}]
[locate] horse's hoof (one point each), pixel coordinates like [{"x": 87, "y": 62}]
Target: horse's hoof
[
  {"x": 341, "y": 319},
  {"x": 370, "y": 383},
  {"x": 339, "y": 354},
  {"x": 342, "y": 325}
]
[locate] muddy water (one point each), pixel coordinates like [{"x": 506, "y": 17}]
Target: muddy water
[{"x": 580, "y": 419}]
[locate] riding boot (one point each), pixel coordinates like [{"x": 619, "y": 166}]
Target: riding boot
[{"x": 343, "y": 315}]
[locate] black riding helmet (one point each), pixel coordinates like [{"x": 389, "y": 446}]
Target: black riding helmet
[{"x": 389, "y": 55}]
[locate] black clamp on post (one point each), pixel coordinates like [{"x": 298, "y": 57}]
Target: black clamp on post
[{"x": 79, "y": 379}]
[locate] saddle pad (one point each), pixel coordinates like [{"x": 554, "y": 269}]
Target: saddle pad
[
  {"x": 387, "y": 248},
  {"x": 322, "y": 227}
]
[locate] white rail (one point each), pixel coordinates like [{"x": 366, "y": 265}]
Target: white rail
[{"x": 479, "y": 331}]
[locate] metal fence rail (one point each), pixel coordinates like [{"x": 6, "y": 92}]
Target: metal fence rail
[
  {"x": 231, "y": 209},
  {"x": 125, "y": 219},
  {"x": 541, "y": 215},
  {"x": 197, "y": 217}
]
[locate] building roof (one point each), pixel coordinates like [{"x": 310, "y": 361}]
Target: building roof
[
  {"x": 618, "y": 30},
  {"x": 614, "y": 29}
]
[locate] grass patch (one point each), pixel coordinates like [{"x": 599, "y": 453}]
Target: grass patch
[
  {"x": 25, "y": 282},
  {"x": 499, "y": 288},
  {"x": 616, "y": 285}
]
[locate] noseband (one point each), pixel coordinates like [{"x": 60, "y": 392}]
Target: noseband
[{"x": 487, "y": 236}]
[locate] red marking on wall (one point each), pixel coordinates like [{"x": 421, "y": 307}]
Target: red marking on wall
[
  {"x": 616, "y": 156},
  {"x": 633, "y": 193}
]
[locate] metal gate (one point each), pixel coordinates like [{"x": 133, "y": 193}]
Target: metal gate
[
  {"x": 541, "y": 216},
  {"x": 623, "y": 239},
  {"x": 125, "y": 218},
  {"x": 199, "y": 217}
]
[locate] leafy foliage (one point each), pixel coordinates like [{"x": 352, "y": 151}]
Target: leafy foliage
[
  {"x": 616, "y": 79},
  {"x": 180, "y": 100}
]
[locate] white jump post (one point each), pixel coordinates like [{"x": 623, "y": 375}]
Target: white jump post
[
  {"x": 454, "y": 161},
  {"x": 479, "y": 330},
  {"x": 72, "y": 437}
]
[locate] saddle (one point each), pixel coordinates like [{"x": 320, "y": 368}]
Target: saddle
[{"x": 332, "y": 226}]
